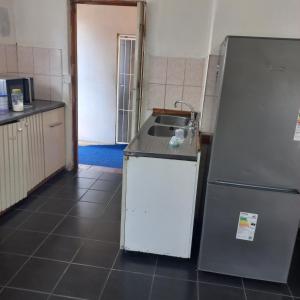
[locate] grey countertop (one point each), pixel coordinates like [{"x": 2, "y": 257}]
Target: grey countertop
[
  {"x": 37, "y": 106},
  {"x": 146, "y": 145}
]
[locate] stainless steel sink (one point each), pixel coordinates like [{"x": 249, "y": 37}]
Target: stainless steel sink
[
  {"x": 163, "y": 131},
  {"x": 172, "y": 120}
]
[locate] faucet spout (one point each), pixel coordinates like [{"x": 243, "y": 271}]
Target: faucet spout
[{"x": 189, "y": 106}]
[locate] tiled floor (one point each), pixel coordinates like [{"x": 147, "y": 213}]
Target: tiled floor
[{"x": 62, "y": 243}]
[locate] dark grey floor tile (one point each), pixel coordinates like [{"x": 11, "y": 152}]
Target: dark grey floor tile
[
  {"x": 32, "y": 203},
  {"x": 59, "y": 247},
  {"x": 95, "y": 253},
  {"x": 266, "y": 286},
  {"x": 70, "y": 193},
  {"x": 83, "y": 183},
  {"x": 47, "y": 190},
  {"x": 41, "y": 222},
  {"x": 91, "y": 173},
  {"x": 78, "y": 227},
  {"x": 106, "y": 231},
  {"x": 82, "y": 281},
  {"x": 104, "y": 185},
  {"x": 14, "y": 218},
  {"x": 112, "y": 213},
  {"x": 173, "y": 289},
  {"x": 5, "y": 232},
  {"x": 96, "y": 196},
  {"x": 23, "y": 242},
  {"x": 219, "y": 279},
  {"x": 176, "y": 268},
  {"x": 127, "y": 286},
  {"x": 13, "y": 294},
  {"x": 39, "y": 274},
  {"x": 135, "y": 262},
  {"x": 9, "y": 265},
  {"x": 57, "y": 206},
  {"x": 111, "y": 177},
  {"x": 255, "y": 295},
  {"x": 210, "y": 291},
  {"x": 59, "y": 298},
  {"x": 87, "y": 210}
]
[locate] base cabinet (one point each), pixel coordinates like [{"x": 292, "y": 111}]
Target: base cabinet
[
  {"x": 36, "y": 156},
  {"x": 14, "y": 163},
  {"x": 31, "y": 150},
  {"x": 54, "y": 140},
  {"x": 158, "y": 205}
]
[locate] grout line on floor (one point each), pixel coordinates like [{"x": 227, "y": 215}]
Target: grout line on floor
[
  {"x": 66, "y": 270},
  {"x": 108, "y": 275},
  {"x": 244, "y": 290},
  {"x": 34, "y": 252},
  {"x": 153, "y": 277},
  {"x": 290, "y": 291}
]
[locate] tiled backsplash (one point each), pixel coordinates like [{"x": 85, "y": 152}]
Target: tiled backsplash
[
  {"x": 210, "y": 105},
  {"x": 43, "y": 64},
  {"x": 171, "y": 79}
]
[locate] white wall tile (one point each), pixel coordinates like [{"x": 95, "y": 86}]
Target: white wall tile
[
  {"x": 3, "y": 67},
  {"x": 193, "y": 96},
  {"x": 155, "y": 95},
  {"x": 56, "y": 88},
  {"x": 25, "y": 59},
  {"x": 209, "y": 114},
  {"x": 11, "y": 58},
  {"x": 194, "y": 72},
  {"x": 210, "y": 88},
  {"x": 173, "y": 93},
  {"x": 175, "y": 71},
  {"x": 157, "y": 69},
  {"x": 41, "y": 61},
  {"x": 42, "y": 87},
  {"x": 55, "y": 61}
]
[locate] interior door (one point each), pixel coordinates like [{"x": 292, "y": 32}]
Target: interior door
[{"x": 138, "y": 68}]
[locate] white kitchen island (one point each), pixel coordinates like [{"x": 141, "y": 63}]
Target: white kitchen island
[{"x": 159, "y": 194}]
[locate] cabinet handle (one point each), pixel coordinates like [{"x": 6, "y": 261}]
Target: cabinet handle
[
  {"x": 20, "y": 129},
  {"x": 26, "y": 124},
  {"x": 55, "y": 124}
]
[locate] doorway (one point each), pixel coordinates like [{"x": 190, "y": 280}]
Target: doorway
[{"x": 107, "y": 66}]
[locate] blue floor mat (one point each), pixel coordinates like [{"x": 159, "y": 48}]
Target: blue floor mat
[{"x": 101, "y": 155}]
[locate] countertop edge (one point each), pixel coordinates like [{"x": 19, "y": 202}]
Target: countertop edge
[{"x": 46, "y": 106}]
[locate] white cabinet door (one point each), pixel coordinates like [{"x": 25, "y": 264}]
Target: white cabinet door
[
  {"x": 159, "y": 205},
  {"x": 54, "y": 140},
  {"x": 13, "y": 160},
  {"x": 36, "y": 157}
]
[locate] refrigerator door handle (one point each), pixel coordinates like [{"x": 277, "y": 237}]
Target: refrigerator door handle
[{"x": 256, "y": 187}]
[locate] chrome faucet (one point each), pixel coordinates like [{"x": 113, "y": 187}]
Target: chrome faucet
[{"x": 190, "y": 107}]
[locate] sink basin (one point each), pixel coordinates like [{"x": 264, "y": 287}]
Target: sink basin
[
  {"x": 163, "y": 131},
  {"x": 172, "y": 120}
]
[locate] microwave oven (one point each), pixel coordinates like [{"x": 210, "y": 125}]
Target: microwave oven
[{"x": 25, "y": 84}]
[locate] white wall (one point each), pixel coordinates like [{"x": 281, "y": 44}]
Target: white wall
[
  {"x": 177, "y": 28},
  {"x": 271, "y": 18},
  {"x": 98, "y": 27},
  {"x": 7, "y": 24}
]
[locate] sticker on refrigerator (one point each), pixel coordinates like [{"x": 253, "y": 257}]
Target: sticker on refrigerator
[
  {"x": 297, "y": 131},
  {"x": 246, "y": 226}
]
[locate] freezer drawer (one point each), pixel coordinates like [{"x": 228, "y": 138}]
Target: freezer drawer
[{"x": 268, "y": 256}]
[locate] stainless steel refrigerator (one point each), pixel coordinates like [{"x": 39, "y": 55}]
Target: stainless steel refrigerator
[{"x": 252, "y": 201}]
